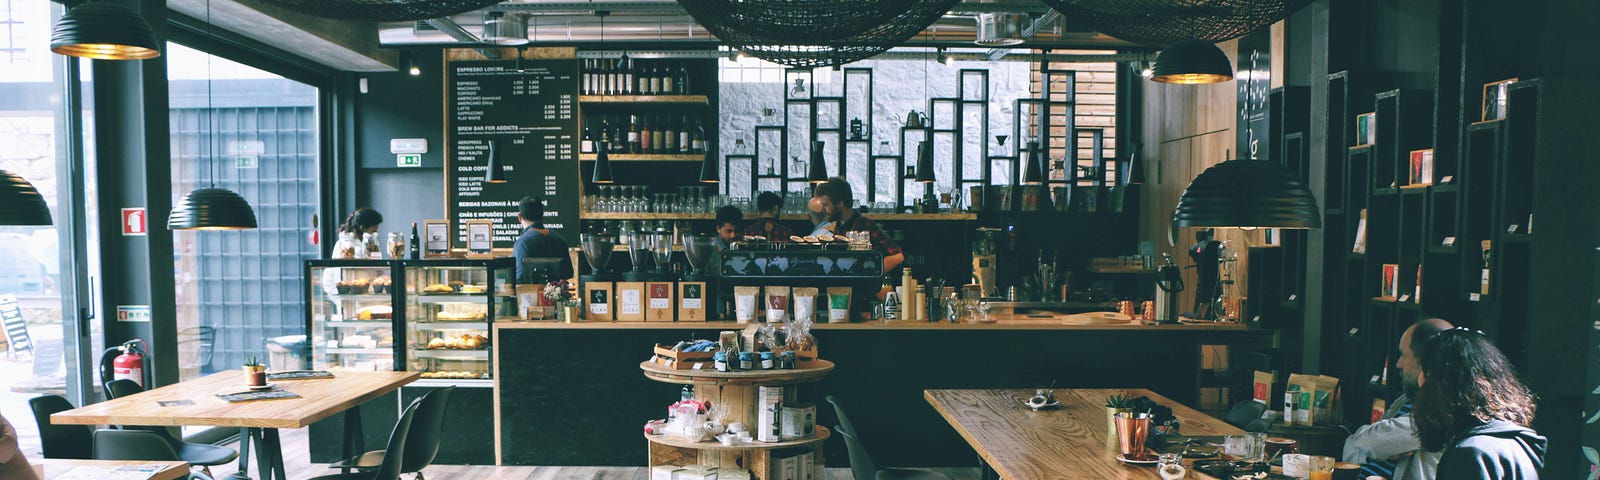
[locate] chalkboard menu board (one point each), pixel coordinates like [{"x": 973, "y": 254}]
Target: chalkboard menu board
[{"x": 526, "y": 118}]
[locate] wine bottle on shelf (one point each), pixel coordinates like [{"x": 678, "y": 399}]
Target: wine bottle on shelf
[
  {"x": 583, "y": 78},
  {"x": 605, "y": 133},
  {"x": 619, "y": 137},
  {"x": 683, "y": 136},
  {"x": 682, "y": 81},
  {"x": 643, "y": 77},
  {"x": 416, "y": 247},
  {"x": 587, "y": 144},
  {"x": 697, "y": 139},
  {"x": 658, "y": 140},
  {"x": 627, "y": 75},
  {"x": 665, "y": 76},
  {"x": 651, "y": 83},
  {"x": 633, "y": 134},
  {"x": 646, "y": 129}
]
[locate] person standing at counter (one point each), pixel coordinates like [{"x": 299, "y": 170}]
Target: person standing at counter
[
  {"x": 837, "y": 207},
  {"x": 768, "y": 205},
  {"x": 362, "y": 221},
  {"x": 728, "y": 218},
  {"x": 537, "y": 242}
]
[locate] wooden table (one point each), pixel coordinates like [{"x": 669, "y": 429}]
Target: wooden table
[
  {"x": 258, "y": 420},
  {"x": 1066, "y": 442},
  {"x": 52, "y": 468}
]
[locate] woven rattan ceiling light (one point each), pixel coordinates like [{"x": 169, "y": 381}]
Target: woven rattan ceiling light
[
  {"x": 1162, "y": 23},
  {"x": 815, "y": 33},
  {"x": 382, "y": 10}
]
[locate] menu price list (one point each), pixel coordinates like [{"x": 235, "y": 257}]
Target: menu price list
[{"x": 525, "y": 119}]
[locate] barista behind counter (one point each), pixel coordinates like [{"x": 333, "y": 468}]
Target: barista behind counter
[{"x": 837, "y": 208}]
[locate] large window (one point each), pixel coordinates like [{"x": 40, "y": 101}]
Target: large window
[{"x": 255, "y": 133}]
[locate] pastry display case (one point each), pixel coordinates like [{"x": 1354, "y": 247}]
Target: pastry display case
[
  {"x": 351, "y": 314},
  {"x": 449, "y": 308}
]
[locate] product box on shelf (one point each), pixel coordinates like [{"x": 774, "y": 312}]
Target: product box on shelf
[
  {"x": 630, "y": 302},
  {"x": 797, "y": 421},
  {"x": 769, "y": 399},
  {"x": 697, "y": 472},
  {"x": 667, "y": 357},
  {"x": 691, "y": 301},
  {"x": 598, "y": 301},
  {"x": 786, "y": 467},
  {"x": 808, "y": 468},
  {"x": 658, "y": 302},
  {"x": 665, "y": 472}
]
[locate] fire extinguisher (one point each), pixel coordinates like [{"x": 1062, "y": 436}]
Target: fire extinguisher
[{"x": 128, "y": 363}]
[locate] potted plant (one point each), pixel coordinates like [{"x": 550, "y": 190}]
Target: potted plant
[
  {"x": 562, "y": 299},
  {"x": 1115, "y": 404},
  {"x": 254, "y": 372}
]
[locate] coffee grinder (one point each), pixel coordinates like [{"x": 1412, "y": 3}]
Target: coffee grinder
[
  {"x": 985, "y": 261},
  {"x": 693, "y": 291},
  {"x": 659, "y": 287},
  {"x": 598, "y": 287}
]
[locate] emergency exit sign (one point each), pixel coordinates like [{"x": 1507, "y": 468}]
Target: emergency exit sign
[{"x": 408, "y": 160}]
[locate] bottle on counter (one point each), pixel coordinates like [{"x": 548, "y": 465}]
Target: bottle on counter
[{"x": 416, "y": 243}]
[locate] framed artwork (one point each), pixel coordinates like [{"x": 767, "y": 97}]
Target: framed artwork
[
  {"x": 1391, "y": 281},
  {"x": 1366, "y": 128},
  {"x": 435, "y": 239},
  {"x": 480, "y": 238},
  {"x": 1494, "y": 99},
  {"x": 1422, "y": 167}
]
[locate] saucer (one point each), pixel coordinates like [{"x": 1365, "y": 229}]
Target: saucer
[
  {"x": 1030, "y": 406},
  {"x": 1141, "y": 459},
  {"x": 269, "y": 386}
]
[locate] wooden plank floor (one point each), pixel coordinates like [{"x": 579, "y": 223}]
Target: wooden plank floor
[{"x": 296, "y": 458}]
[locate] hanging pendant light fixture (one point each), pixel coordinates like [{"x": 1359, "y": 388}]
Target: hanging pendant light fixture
[
  {"x": 104, "y": 31},
  {"x": 708, "y": 169},
  {"x": 211, "y": 208},
  {"x": 1247, "y": 193},
  {"x": 20, "y": 203},
  {"x": 1133, "y": 171},
  {"x": 602, "y": 164},
  {"x": 818, "y": 171},
  {"x": 502, "y": 29},
  {"x": 1192, "y": 62},
  {"x": 1033, "y": 170},
  {"x": 496, "y": 172},
  {"x": 924, "y": 162}
]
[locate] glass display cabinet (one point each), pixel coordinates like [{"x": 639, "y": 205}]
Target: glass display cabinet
[
  {"x": 450, "y": 306},
  {"x": 350, "y": 315}
]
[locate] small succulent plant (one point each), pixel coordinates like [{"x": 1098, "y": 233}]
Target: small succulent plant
[
  {"x": 252, "y": 361},
  {"x": 1119, "y": 401}
]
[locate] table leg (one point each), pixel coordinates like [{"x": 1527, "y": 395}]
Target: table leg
[
  {"x": 264, "y": 463},
  {"x": 244, "y": 451},
  {"x": 270, "y": 437},
  {"x": 353, "y": 436},
  {"x": 985, "y": 472}
]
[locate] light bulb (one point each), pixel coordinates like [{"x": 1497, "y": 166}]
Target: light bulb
[{"x": 415, "y": 71}]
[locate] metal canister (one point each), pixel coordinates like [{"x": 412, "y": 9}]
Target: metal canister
[
  {"x": 1125, "y": 307},
  {"x": 1148, "y": 312}
]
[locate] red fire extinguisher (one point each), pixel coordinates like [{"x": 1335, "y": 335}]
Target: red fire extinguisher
[{"x": 127, "y": 364}]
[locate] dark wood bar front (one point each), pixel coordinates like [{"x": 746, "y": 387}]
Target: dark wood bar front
[{"x": 572, "y": 393}]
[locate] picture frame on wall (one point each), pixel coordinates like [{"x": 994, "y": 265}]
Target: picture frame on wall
[
  {"x": 1390, "y": 281},
  {"x": 1366, "y": 128},
  {"x": 435, "y": 239},
  {"x": 480, "y": 238},
  {"x": 1421, "y": 167},
  {"x": 1494, "y": 99}
]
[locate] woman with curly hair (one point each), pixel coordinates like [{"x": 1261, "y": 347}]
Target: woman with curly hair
[{"x": 1471, "y": 404}]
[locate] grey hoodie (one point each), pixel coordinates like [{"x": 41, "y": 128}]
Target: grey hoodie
[{"x": 1494, "y": 450}]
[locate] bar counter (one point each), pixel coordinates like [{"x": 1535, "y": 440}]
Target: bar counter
[{"x": 573, "y": 393}]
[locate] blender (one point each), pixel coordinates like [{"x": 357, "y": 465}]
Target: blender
[{"x": 597, "y": 248}]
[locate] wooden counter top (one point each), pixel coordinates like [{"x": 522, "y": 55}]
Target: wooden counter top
[{"x": 880, "y": 325}]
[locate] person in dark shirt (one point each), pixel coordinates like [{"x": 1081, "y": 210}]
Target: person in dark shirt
[
  {"x": 768, "y": 205},
  {"x": 1472, "y": 405},
  {"x": 537, "y": 242},
  {"x": 837, "y": 207},
  {"x": 728, "y": 218}
]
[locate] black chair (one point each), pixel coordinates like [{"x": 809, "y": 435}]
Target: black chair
[
  {"x": 1247, "y": 416},
  {"x": 199, "y": 454},
  {"x": 422, "y": 444},
  {"x": 60, "y": 441},
  {"x": 135, "y": 445},
  {"x": 861, "y": 464},
  {"x": 393, "y": 454}
]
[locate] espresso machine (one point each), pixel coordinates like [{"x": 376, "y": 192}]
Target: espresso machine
[{"x": 985, "y": 260}]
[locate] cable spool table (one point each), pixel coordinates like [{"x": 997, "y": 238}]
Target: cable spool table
[{"x": 736, "y": 391}]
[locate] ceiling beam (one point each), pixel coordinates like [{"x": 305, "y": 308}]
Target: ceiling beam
[
  {"x": 351, "y": 46},
  {"x": 454, "y": 30}
]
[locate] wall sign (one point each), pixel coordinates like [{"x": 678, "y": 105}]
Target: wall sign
[
  {"x": 1253, "y": 75},
  {"x": 133, "y": 313},
  {"x": 531, "y": 117},
  {"x": 135, "y": 222}
]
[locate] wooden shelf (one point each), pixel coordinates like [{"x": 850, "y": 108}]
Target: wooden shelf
[
  {"x": 881, "y": 217},
  {"x": 822, "y": 434},
  {"x": 681, "y": 99},
  {"x": 649, "y": 157},
  {"x": 660, "y": 373}
]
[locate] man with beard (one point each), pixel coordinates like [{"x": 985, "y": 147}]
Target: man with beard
[
  {"x": 838, "y": 207},
  {"x": 1390, "y": 448}
]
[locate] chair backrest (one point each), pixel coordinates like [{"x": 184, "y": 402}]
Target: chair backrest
[
  {"x": 1243, "y": 413},
  {"x": 422, "y": 444},
  {"x": 60, "y": 441},
  {"x": 131, "y": 445},
  {"x": 121, "y": 388},
  {"x": 861, "y": 463},
  {"x": 394, "y": 452}
]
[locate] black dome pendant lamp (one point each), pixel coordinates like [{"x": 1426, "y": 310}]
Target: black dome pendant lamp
[
  {"x": 1033, "y": 168},
  {"x": 1192, "y": 62},
  {"x": 708, "y": 170},
  {"x": 20, "y": 203},
  {"x": 818, "y": 168},
  {"x": 496, "y": 172},
  {"x": 1246, "y": 194},
  {"x": 924, "y": 162},
  {"x": 211, "y": 208},
  {"x": 104, "y": 31},
  {"x": 602, "y": 164}
]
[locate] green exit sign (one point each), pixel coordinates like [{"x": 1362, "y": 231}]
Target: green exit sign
[{"x": 408, "y": 160}]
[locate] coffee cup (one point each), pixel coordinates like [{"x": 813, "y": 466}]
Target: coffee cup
[
  {"x": 1346, "y": 471},
  {"x": 1281, "y": 446}
]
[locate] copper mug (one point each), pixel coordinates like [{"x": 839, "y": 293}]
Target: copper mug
[
  {"x": 1278, "y": 446},
  {"x": 1132, "y": 431}
]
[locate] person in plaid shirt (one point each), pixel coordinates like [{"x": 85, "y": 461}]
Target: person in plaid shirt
[{"x": 835, "y": 197}]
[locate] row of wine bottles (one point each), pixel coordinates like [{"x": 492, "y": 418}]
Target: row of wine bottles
[
  {"x": 626, "y": 76},
  {"x": 658, "y": 134}
]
